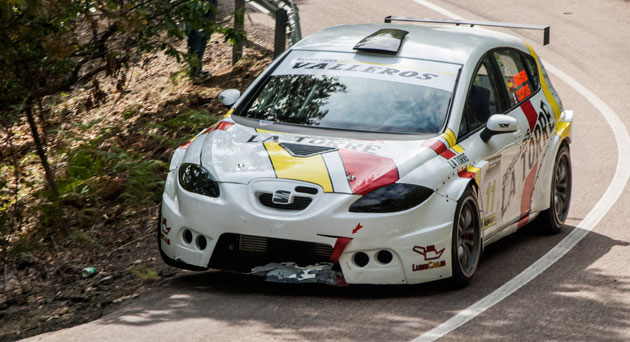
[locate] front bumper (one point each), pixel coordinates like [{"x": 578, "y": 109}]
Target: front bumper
[{"x": 418, "y": 239}]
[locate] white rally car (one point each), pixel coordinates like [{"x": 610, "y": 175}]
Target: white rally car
[{"x": 380, "y": 154}]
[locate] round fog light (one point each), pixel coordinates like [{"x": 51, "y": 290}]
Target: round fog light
[
  {"x": 201, "y": 242},
  {"x": 384, "y": 257},
  {"x": 188, "y": 237},
  {"x": 361, "y": 259}
]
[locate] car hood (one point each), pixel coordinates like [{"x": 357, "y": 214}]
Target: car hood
[{"x": 239, "y": 154}]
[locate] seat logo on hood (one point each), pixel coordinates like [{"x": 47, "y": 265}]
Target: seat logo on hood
[{"x": 282, "y": 197}]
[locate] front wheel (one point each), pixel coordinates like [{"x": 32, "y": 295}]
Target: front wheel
[
  {"x": 466, "y": 239},
  {"x": 550, "y": 221}
]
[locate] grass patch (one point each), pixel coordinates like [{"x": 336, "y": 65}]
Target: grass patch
[
  {"x": 189, "y": 122},
  {"x": 145, "y": 273},
  {"x": 113, "y": 174}
]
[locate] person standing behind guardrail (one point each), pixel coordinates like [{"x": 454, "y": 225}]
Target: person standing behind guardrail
[{"x": 197, "y": 35}]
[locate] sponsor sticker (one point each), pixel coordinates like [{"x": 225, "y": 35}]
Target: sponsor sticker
[
  {"x": 165, "y": 228},
  {"x": 428, "y": 266},
  {"x": 427, "y": 73},
  {"x": 520, "y": 78},
  {"x": 165, "y": 239},
  {"x": 429, "y": 252},
  {"x": 523, "y": 93},
  {"x": 348, "y": 144}
]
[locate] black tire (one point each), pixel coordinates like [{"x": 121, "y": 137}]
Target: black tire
[
  {"x": 466, "y": 239},
  {"x": 551, "y": 221}
]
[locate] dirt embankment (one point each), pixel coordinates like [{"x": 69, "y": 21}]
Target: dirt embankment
[{"x": 109, "y": 146}]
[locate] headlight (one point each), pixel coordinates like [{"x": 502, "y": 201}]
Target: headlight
[
  {"x": 195, "y": 178},
  {"x": 391, "y": 198}
]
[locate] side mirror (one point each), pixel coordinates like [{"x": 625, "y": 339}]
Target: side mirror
[
  {"x": 498, "y": 124},
  {"x": 228, "y": 97}
]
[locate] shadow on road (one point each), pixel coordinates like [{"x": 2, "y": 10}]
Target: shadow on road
[{"x": 401, "y": 312}]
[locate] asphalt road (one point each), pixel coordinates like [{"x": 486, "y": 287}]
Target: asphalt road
[{"x": 585, "y": 296}]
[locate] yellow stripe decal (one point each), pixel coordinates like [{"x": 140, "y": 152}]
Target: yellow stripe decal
[
  {"x": 310, "y": 169},
  {"x": 563, "y": 129},
  {"x": 228, "y": 114},
  {"x": 543, "y": 83},
  {"x": 449, "y": 136},
  {"x": 475, "y": 170},
  {"x": 458, "y": 149},
  {"x": 489, "y": 221},
  {"x": 260, "y": 130}
]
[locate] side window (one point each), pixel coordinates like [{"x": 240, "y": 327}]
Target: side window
[
  {"x": 482, "y": 100},
  {"x": 514, "y": 75},
  {"x": 533, "y": 71}
]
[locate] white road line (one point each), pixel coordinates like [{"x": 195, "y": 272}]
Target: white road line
[
  {"x": 614, "y": 190},
  {"x": 441, "y": 10}
]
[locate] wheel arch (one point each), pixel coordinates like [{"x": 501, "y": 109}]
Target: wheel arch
[
  {"x": 454, "y": 187},
  {"x": 541, "y": 198}
]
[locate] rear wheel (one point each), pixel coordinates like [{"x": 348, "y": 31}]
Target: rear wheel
[
  {"x": 466, "y": 240},
  {"x": 550, "y": 221}
]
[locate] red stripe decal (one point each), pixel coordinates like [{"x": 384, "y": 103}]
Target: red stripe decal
[
  {"x": 448, "y": 154},
  {"x": 528, "y": 188},
  {"x": 356, "y": 229},
  {"x": 340, "y": 245},
  {"x": 367, "y": 172},
  {"x": 220, "y": 126},
  {"x": 186, "y": 144},
  {"x": 466, "y": 174},
  {"x": 522, "y": 222},
  {"x": 438, "y": 147},
  {"x": 530, "y": 113}
]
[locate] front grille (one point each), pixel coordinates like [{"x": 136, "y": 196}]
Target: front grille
[
  {"x": 306, "y": 190},
  {"x": 322, "y": 250},
  {"x": 252, "y": 244},
  {"x": 299, "y": 202},
  {"x": 299, "y": 150},
  {"x": 241, "y": 253}
]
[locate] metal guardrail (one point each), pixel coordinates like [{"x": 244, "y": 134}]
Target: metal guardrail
[{"x": 290, "y": 17}]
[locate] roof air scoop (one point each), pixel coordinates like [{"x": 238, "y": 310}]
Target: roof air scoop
[{"x": 384, "y": 40}]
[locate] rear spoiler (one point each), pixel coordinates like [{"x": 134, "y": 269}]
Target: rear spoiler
[{"x": 472, "y": 23}]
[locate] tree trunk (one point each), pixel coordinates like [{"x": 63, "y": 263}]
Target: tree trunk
[
  {"x": 16, "y": 219},
  {"x": 50, "y": 178},
  {"x": 239, "y": 26},
  {"x": 42, "y": 120}
]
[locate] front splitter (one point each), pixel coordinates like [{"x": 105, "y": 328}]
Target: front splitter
[{"x": 289, "y": 272}]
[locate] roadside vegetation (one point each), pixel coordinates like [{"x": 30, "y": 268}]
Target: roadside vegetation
[{"x": 85, "y": 144}]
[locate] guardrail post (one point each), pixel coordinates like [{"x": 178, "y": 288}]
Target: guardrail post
[
  {"x": 280, "y": 40},
  {"x": 239, "y": 25}
]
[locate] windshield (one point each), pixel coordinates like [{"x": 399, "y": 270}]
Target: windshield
[{"x": 341, "y": 91}]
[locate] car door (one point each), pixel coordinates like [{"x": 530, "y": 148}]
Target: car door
[
  {"x": 520, "y": 86},
  {"x": 486, "y": 97}
]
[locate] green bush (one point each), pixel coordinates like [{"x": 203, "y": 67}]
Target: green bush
[
  {"x": 190, "y": 122},
  {"x": 90, "y": 172}
]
